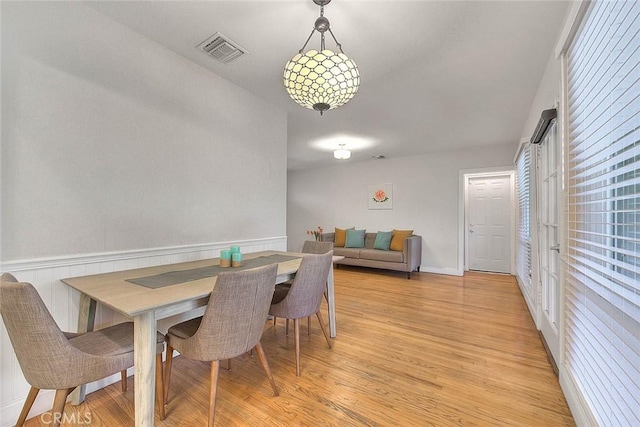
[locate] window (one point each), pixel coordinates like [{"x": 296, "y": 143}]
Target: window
[
  {"x": 626, "y": 212},
  {"x": 523, "y": 246},
  {"x": 602, "y": 323}
]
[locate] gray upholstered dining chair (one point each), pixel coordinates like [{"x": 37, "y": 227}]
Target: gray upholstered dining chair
[
  {"x": 309, "y": 247},
  {"x": 232, "y": 324},
  {"x": 304, "y": 296},
  {"x": 53, "y": 359},
  {"x": 316, "y": 247}
]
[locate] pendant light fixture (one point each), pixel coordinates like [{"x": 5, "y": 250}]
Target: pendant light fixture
[
  {"x": 342, "y": 153},
  {"x": 321, "y": 80}
]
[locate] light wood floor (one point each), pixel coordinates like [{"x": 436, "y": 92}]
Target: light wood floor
[{"x": 433, "y": 350}]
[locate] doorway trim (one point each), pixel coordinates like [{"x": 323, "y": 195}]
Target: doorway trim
[{"x": 464, "y": 176}]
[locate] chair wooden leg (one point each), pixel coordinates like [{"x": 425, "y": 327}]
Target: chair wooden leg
[
  {"x": 309, "y": 326},
  {"x": 215, "y": 369},
  {"x": 159, "y": 386},
  {"x": 123, "y": 380},
  {"x": 265, "y": 365},
  {"x": 31, "y": 397},
  {"x": 296, "y": 332},
  {"x": 286, "y": 328},
  {"x": 324, "y": 329},
  {"x": 58, "y": 405},
  {"x": 274, "y": 320},
  {"x": 167, "y": 372},
  {"x": 228, "y": 364}
]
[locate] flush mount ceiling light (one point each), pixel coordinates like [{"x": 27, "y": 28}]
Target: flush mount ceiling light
[
  {"x": 342, "y": 153},
  {"x": 321, "y": 80}
]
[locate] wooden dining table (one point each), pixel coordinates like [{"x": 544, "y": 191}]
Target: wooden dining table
[{"x": 162, "y": 294}]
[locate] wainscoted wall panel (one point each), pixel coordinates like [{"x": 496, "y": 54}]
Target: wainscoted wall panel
[{"x": 63, "y": 302}]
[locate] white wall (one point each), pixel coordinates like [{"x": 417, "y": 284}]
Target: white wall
[
  {"x": 425, "y": 199},
  {"x": 547, "y": 95},
  {"x": 111, "y": 142},
  {"x": 117, "y": 153}
]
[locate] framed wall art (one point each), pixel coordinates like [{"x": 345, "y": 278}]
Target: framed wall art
[{"x": 380, "y": 196}]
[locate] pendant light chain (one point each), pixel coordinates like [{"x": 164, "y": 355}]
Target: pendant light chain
[
  {"x": 338, "y": 45},
  {"x": 307, "y": 42},
  {"x": 322, "y": 33}
]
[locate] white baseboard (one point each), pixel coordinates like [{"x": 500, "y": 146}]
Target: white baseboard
[
  {"x": 582, "y": 415},
  {"x": 44, "y": 402},
  {"x": 438, "y": 270},
  {"x": 527, "y": 299},
  {"x": 11, "y": 411},
  {"x": 63, "y": 302}
]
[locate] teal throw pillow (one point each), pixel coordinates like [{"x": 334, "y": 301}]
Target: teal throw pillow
[
  {"x": 355, "y": 239},
  {"x": 383, "y": 240}
]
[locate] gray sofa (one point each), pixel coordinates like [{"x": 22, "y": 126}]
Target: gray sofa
[{"x": 406, "y": 261}]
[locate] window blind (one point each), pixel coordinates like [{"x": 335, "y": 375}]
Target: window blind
[
  {"x": 523, "y": 247},
  {"x": 602, "y": 300}
]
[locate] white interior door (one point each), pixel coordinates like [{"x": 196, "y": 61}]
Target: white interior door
[
  {"x": 489, "y": 216},
  {"x": 549, "y": 248}
]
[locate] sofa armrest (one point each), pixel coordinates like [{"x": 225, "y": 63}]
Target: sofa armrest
[
  {"x": 413, "y": 252},
  {"x": 328, "y": 237}
]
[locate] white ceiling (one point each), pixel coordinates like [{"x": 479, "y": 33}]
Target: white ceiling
[{"x": 435, "y": 75}]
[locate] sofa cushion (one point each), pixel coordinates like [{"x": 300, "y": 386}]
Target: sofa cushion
[
  {"x": 397, "y": 241},
  {"x": 341, "y": 236},
  {"x": 378, "y": 255},
  {"x": 347, "y": 252},
  {"x": 383, "y": 240},
  {"x": 355, "y": 239}
]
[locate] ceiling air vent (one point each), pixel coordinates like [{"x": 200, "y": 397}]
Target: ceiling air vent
[{"x": 221, "y": 48}]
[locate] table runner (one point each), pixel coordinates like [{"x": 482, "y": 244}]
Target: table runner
[{"x": 182, "y": 276}]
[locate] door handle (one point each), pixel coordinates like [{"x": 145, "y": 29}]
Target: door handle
[
  {"x": 470, "y": 231},
  {"x": 555, "y": 248}
]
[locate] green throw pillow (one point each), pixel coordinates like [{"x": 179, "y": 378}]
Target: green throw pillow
[
  {"x": 383, "y": 240},
  {"x": 355, "y": 239}
]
